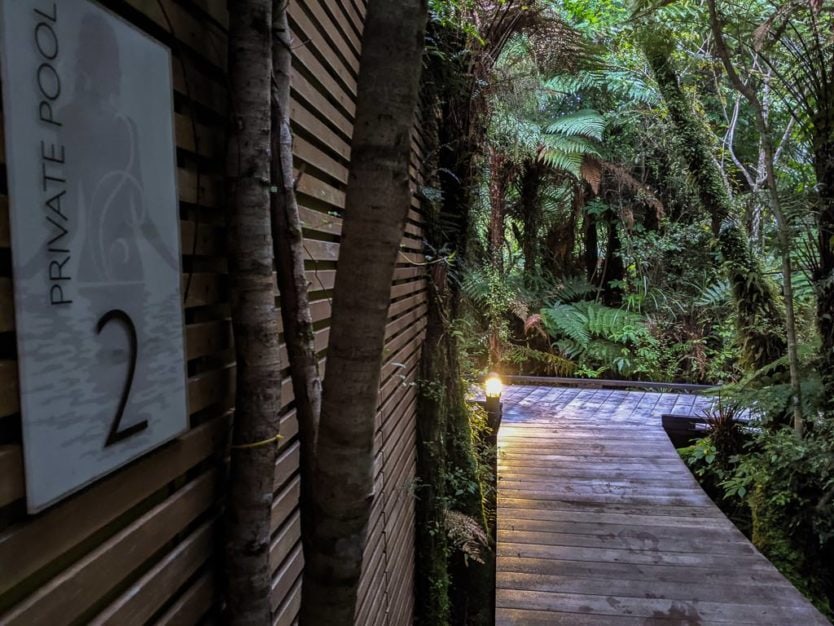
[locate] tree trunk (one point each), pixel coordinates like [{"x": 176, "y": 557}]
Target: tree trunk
[
  {"x": 613, "y": 269},
  {"x": 531, "y": 213},
  {"x": 767, "y": 158},
  {"x": 824, "y": 272},
  {"x": 591, "y": 252},
  {"x": 432, "y": 547},
  {"x": 499, "y": 174},
  {"x": 254, "y": 319},
  {"x": 499, "y": 178},
  {"x": 378, "y": 200},
  {"x": 760, "y": 321},
  {"x": 446, "y": 587},
  {"x": 288, "y": 246}
]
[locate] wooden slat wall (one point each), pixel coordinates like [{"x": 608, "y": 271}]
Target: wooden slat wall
[{"x": 139, "y": 545}]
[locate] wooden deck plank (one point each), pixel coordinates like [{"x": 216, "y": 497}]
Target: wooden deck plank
[{"x": 600, "y": 522}]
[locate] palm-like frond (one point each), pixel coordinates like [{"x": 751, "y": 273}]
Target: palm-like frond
[
  {"x": 714, "y": 295},
  {"x": 624, "y": 84},
  {"x": 567, "y": 320},
  {"x": 567, "y": 153},
  {"x": 555, "y": 364},
  {"x": 575, "y": 288},
  {"x": 591, "y": 331},
  {"x": 585, "y": 123}
]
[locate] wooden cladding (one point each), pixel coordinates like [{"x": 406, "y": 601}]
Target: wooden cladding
[{"x": 139, "y": 546}]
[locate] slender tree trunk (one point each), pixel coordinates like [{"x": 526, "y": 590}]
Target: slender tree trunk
[
  {"x": 824, "y": 272},
  {"x": 499, "y": 174},
  {"x": 447, "y": 588},
  {"x": 288, "y": 244},
  {"x": 254, "y": 319},
  {"x": 432, "y": 547},
  {"x": 378, "y": 200},
  {"x": 768, "y": 160},
  {"x": 760, "y": 322},
  {"x": 613, "y": 270},
  {"x": 531, "y": 212},
  {"x": 591, "y": 252}
]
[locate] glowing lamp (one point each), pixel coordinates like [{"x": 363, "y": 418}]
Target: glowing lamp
[{"x": 493, "y": 386}]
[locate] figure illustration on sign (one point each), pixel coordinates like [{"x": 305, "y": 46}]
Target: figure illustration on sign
[
  {"x": 113, "y": 217},
  {"x": 116, "y": 231},
  {"x": 94, "y": 224}
]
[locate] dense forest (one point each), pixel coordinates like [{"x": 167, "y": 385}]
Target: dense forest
[{"x": 643, "y": 192}]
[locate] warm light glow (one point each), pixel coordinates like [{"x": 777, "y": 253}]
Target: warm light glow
[{"x": 493, "y": 386}]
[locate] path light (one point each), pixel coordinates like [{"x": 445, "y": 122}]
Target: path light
[{"x": 493, "y": 388}]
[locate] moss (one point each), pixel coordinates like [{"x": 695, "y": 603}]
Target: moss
[
  {"x": 432, "y": 550},
  {"x": 691, "y": 130},
  {"x": 759, "y": 317},
  {"x": 760, "y": 320},
  {"x": 451, "y": 588}
]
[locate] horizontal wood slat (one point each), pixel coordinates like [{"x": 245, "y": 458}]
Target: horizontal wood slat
[
  {"x": 65, "y": 525},
  {"x": 66, "y": 597},
  {"x": 144, "y": 598},
  {"x": 139, "y": 546}
]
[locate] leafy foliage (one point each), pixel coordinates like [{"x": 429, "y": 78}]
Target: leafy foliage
[{"x": 602, "y": 337}]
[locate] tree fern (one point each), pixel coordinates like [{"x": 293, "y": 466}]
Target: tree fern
[
  {"x": 564, "y": 148},
  {"x": 625, "y": 84},
  {"x": 586, "y": 123}
]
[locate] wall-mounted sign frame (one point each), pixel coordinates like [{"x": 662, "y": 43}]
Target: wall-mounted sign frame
[{"x": 91, "y": 168}]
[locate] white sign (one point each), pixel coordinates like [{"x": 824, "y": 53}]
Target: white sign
[{"x": 88, "y": 113}]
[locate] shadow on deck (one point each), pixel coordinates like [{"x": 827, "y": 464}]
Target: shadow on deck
[{"x": 600, "y": 522}]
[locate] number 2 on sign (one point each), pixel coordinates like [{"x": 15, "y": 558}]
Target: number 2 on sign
[{"x": 115, "y": 435}]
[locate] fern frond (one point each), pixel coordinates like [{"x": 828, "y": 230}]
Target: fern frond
[
  {"x": 563, "y": 161},
  {"x": 555, "y": 364},
  {"x": 586, "y": 123},
  {"x": 466, "y": 534},
  {"x": 477, "y": 286},
  {"x": 715, "y": 295},
  {"x": 572, "y": 144},
  {"x": 567, "y": 320},
  {"x": 575, "y": 288}
]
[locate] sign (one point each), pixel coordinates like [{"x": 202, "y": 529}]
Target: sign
[{"x": 88, "y": 113}]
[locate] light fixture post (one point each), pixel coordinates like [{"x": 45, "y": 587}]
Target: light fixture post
[{"x": 493, "y": 387}]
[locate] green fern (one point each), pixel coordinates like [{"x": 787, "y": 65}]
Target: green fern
[
  {"x": 563, "y": 161},
  {"x": 594, "y": 334},
  {"x": 562, "y": 320},
  {"x": 586, "y": 123},
  {"x": 575, "y": 288},
  {"x": 566, "y": 152},
  {"x": 625, "y": 84},
  {"x": 477, "y": 286},
  {"x": 715, "y": 295},
  {"x": 555, "y": 364}
]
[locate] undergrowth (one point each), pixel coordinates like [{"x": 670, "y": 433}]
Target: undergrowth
[{"x": 777, "y": 486}]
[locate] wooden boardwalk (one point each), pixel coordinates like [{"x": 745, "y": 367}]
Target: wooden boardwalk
[{"x": 600, "y": 522}]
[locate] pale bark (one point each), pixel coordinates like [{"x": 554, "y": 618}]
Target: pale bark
[
  {"x": 767, "y": 166},
  {"x": 254, "y": 319},
  {"x": 759, "y": 320},
  {"x": 378, "y": 199},
  {"x": 288, "y": 241}
]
